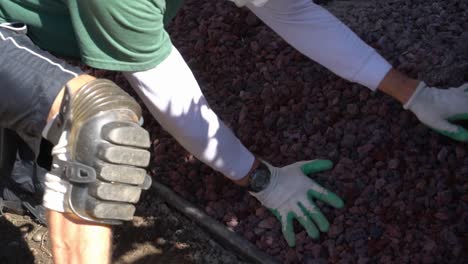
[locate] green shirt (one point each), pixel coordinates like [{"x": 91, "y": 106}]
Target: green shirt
[{"x": 121, "y": 35}]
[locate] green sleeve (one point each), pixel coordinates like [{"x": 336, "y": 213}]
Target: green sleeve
[
  {"x": 48, "y": 23},
  {"x": 123, "y": 35}
]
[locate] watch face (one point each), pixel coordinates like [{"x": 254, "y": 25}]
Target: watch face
[{"x": 260, "y": 178}]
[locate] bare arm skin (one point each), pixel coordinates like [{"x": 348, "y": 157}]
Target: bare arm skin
[{"x": 398, "y": 86}]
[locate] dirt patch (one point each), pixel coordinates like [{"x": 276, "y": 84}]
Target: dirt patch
[
  {"x": 157, "y": 235},
  {"x": 22, "y": 240},
  {"x": 160, "y": 235}
]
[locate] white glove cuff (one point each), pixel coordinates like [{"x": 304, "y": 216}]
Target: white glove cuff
[
  {"x": 264, "y": 195},
  {"x": 55, "y": 193},
  {"x": 418, "y": 90},
  {"x": 372, "y": 72}
]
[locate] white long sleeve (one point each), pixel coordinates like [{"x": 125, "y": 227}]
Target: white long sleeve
[
  {"x": 174, "y": 98},
  {"x": 319, "y": 35}
]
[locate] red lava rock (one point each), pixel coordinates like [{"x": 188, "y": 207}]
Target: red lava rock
[
  {"x": 270, "y": 241},
  {"x": 421, "y": 185},
  {"x": 249, "y": 235},
  {"x": 258, "y": 231},
  {"x": 352, "y": 235},
  {"x": 260, "y": 212},
  {"x": 291, "y": 256},
  {"x": 442, "y": 155},
  {"x": 444, "y": 197},
  {"x": 243, "y": 114},
  {"x": 429, "y": 245},
  {"x": 363, "y": 150},
  {"x": 386, "y": 260},
  {"x": 460, "y": 152},
  {"x": 393, "y": 163},
  {"x": 442, "y": 216},
  {"x": 231, "y": 221},
  {"x": 310, "y": 260},
  {"x": 301, "y": 237},
  {"x": 363, "y": 260},
  {"x": 330, "y": 246},
  {"x": 210, "y": 211},
  {"x": 351, "y": 192},
  {"x": 465, "y": 198},
  {"x": 268, "y": 223},
  {"x": 393, "y": 231},
  {"x": 354, "y": 210},
  {"x": 375, "y": 232},
  {"x": 352, "y": 109},
  {"x": 211, "y": 196},
  {"x": 335, "y": 230},
  {"x": 316, "y": 250},
  {"x": 174, "y": 176},
  {"x": 251, "y": 19},
  {"x": 379, "y": 183}
]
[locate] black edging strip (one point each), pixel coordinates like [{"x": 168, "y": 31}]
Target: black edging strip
[{"x": 226, "y": 237}]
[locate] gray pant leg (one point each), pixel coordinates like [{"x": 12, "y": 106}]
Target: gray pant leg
[{"x": 30, "y": 80}]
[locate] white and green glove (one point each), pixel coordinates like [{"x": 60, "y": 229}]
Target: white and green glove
[
  {"x": 436, "y": 108},
  {"x": 290, "y": 195}
]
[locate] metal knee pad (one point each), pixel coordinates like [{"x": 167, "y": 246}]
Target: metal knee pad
[{"x": 106, "y": 152}]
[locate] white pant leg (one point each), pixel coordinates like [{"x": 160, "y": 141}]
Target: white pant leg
[
  {"x": 171, "y": 93},
  {"x": 319, "y": 35}
]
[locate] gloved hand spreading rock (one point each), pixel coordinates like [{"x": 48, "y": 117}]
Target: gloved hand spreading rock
[
  {"x": 290, "y": 193},
  {"x": 437, "y": 108}
]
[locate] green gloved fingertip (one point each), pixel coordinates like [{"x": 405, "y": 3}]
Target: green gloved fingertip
[
  {"x": 287, "y": 228},
  {"x": 315, "y": 215},
  {"x": 309, "y": 227},
  {"x": 316, "y": 166},
  {"x": 459, "y": 117},
  {"x": 329, "y": 197},
  {"x": 338, "y": 203},
  {"x": 460, "y": 135}
]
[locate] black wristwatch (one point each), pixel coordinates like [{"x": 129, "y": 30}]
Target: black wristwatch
[{"x": 259, "y": 178}]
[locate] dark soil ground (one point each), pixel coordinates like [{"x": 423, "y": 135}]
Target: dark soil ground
[
  {"x": 160, "y": 235},
  {"x": 405, "y": 186}
]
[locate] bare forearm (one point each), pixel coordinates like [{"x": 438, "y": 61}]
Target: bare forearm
[
  {"x": 77, "y": 241},
  {"x": 398, "y": 85}
]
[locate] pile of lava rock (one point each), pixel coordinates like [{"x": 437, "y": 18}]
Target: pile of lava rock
[{"x": 405, "y": 187}]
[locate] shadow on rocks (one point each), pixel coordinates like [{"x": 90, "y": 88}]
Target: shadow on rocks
[{"x": 13, "y": 247}]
